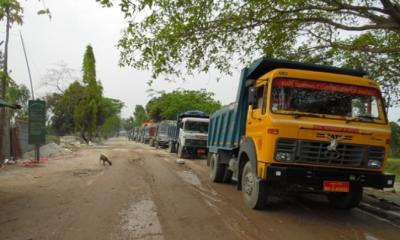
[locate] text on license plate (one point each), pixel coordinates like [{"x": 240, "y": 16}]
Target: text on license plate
[{"x": 336, "y": 186}]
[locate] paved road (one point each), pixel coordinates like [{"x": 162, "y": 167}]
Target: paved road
[{"x": 146, "y": 195}]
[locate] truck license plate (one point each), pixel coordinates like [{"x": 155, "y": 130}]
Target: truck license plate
[
  {"x": 200, "y": 151},
  {"x": 336, "y": 186}
]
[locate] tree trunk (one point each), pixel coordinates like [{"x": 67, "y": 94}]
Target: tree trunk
[{"x": 4, "y": 89}]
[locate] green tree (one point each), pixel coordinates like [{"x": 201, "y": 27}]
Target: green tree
[
  {"x": 109, "y": 119},
  {"x": 204, "y": 34},
  {"x": 19, "y": 94},
  {"x": 63, "y": 106},
  {"x": 139, "y": 115},
  {"x": 168, "y": 105},
  {"x": 87, "y": 110},
  {"x": 128, "y": 123},
  {"x": 10, "y": 12},
  {"x": 395, "y": 140}
]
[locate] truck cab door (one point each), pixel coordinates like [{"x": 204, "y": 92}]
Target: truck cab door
[{"x": 256, "y": 124}]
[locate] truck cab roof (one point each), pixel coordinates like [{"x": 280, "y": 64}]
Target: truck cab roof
[
  {"x": 195, "y": 119},
  {"x": 266, "y": 64}
]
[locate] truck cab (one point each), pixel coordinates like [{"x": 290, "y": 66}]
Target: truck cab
[
  {"x": 162, "y": 137},
  {"x": 301, "y": 127},
  {"x": 191, "y": 134}
]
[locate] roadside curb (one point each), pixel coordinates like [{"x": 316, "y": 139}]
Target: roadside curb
[
  {"x": 381, "y": 206},
  {"x": 390, "y": 215}
]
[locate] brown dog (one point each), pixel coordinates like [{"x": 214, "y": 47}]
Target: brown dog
[{"x": 105, "y": 159}]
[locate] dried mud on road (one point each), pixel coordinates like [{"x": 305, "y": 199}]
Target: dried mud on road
[{"x": 146, "y": 195}]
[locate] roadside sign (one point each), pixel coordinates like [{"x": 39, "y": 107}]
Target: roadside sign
[{"x": 37, "y": 122}]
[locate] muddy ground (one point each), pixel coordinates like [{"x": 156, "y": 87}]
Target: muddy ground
[{"x": 146, "y": 195}]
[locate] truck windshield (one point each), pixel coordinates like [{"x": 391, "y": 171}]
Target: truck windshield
[
  {"x": 314, "y": 98},
  {"x": 200, "y": 127}
]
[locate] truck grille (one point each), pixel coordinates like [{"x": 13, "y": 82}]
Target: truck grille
[
  {"x": 196, "y": 143},
  {"x": 315, "y": 152}
]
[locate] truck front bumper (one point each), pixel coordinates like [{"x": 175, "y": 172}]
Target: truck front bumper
[
  {"x": 200, "y": 150},
  {"x": 314, "y": 177}
]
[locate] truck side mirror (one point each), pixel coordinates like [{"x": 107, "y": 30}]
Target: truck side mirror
[{"x": 252, "y": 99}]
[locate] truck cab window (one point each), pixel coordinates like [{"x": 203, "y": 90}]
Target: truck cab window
[{"x": 260, "y": 97}]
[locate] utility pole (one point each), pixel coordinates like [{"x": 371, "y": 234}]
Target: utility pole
[
  {"x": 27, "y": 65},
  {"x": 3, "y": 122}
]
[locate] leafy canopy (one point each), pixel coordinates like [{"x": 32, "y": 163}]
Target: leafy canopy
[
  {"x": 395, "y": 140},
  {"x": 167, "y": 36},
  {"x": 169, "y": 105},
  {"x": 140, "y": 115}
]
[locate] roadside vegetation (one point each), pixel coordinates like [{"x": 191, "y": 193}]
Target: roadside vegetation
[
  {"x": 393, "y": 166},
  {"x": 81, "y": 107},
  {"x": 166, "y": 106},
  {"x": 212, "y": 34}
]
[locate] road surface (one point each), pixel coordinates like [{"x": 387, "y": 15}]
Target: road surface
[{"x": 146, "y": 195}]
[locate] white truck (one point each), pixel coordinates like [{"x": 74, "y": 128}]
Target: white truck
[{"x": 191, "y": 135}]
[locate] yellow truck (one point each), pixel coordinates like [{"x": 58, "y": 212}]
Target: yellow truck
[{"x": 301, "y": 127}]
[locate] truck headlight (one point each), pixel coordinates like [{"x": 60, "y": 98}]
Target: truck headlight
[
  {"x": 374, "y": 164},
  {"x": 283, "y": 157}
]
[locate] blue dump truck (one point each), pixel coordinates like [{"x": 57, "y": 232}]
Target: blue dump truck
[
  {"x": 162, "y": 138},
  {"x": 189, "y": 138},
  {"x": 301, "y": 127}
]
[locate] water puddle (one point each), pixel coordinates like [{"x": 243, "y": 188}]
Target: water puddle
[
  {"x": 190, "y": 178},
  {"x": 140, "y": 221},
  {"x": 370, "y": 237}
]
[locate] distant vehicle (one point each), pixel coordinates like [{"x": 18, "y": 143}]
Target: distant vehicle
[
  {"x": 130, "y": 134},
  {"x": 152, "y": 131},
  {"x": 162, "y": 138},
  {"x": 122, "y": 133},
  {"x": 135, "y": 133},
  {"x": 140, "y": 136},
  {"x": 301, "y": 127},
  {"x": 190, "y": 136}
]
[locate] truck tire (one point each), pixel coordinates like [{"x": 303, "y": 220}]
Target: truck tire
[
  {"x": 171, "y": 148},
  {"x": 254, "y": 190},
  {"x": 346, "y": 200},
  {"x": 217, "y": 170},
  {"x": 227, "y": 175}
]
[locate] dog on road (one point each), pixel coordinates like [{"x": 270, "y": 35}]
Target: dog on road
[{"x": 104, "y": 159}]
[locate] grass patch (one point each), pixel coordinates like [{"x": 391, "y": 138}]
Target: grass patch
[{"x": 393, "y": 166}]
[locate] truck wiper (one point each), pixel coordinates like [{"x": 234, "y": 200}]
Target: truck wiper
[
  {"x": 298, "y": 115},
  {"x": 361, "y": 118}
]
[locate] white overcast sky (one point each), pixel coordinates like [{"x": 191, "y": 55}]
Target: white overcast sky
[{"x": 76, "y": 23}]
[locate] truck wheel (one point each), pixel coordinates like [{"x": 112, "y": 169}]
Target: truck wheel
[
  {"x": 346, "y": 200},
  {"x": 254, "y": 190},
  {"x": 227, "y": 175},
  {"x": 217, "y": 170},
  {"x": 170, "y": 147}
]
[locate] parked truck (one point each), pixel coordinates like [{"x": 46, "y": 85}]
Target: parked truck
[
  {"x": 301, "y": 127},
  {"x": 162, "y": 139},
  {"x": 189, "y": 138},
  {"x": 135, "y": 133},
  {"x": 149, "y": 133},
  {"x": 152, "y": 132}
]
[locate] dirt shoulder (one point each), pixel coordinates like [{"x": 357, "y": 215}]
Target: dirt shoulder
[{"x": 146, "y": 195}]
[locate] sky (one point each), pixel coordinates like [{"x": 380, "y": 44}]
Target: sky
[{"x": 77, "y": 23}]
